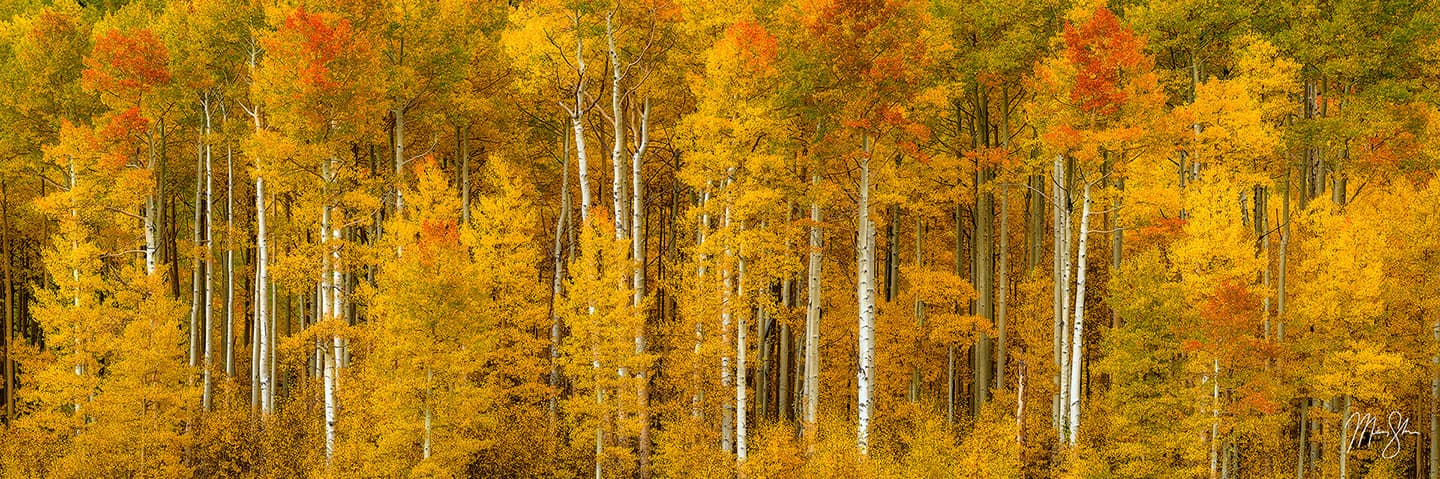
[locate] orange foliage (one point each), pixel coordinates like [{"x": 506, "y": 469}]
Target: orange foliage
[
  {"x": 127, "y": 64},
  {"x": 1101, "y": 50},
  {"x": 754, "y": 45}
]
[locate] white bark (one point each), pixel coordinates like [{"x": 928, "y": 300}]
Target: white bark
[
  {"x": 1058, "y": 315},
  {"x": 726, "y": 285},
  {"x": 1077, "y": 340},
  {"x": 577, "y": 114},
  {"x": 197, "y": 278},
  {"x": 865, "y": 285},
  {"x": 617, "y": 152},
  {"x": 1062, "y": 242},
  {"x": 229, "y": 263},
  {"x": 637, "y": 218},
  {"x": 262, "y": 313},
  {"x": 740, "y": 349},
  {"x": 152, "y": 208},
  {"x": 812, "y": 315},
  {"x": 329, "y": 383},
  {"x": 207, "y": 391}
]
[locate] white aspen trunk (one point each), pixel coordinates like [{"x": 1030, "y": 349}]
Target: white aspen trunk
[
  {"x": 197, "y": 278},
  {"x": 255, "y": 340},
  {"x": 150, "y": 230},
  {"x": 637, "y": 219},
  {"x": 1057, "y": 274},
  {"x": 1077, "y": 340},
  {"x": 261, "y": 310},
  {"x": 229, "y": 263},
  {"x": 327, "y": 292},
  {"x": 337, "y": 307},
  {"x": 1215, "y": 419},
  {"x": 741, "y": 401},
  {"x": 1020, "y": 411},
  {"x": 152, "y": 208},
  {"x": 75, "y": 277},
  {"x": 726, "y": 381},
  {"x": 812, "y": 319},
  {"x": 576, "y": 116},
  {"x": 208, "y": 390},
  {"x": 865, "y": 251},
  {"x": 329, "y": 383},
  {"x": 617, "y": 152}
]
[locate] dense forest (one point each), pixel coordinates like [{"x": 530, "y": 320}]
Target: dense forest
[{"x": 759, "y": 238}]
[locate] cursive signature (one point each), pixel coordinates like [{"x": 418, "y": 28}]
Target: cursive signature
[{"x": 1365, "y": 428}]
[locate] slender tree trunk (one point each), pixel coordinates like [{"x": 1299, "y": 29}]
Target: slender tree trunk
[
  {"x": 1077, "y": 340},
  {"x": 764, "y": 323},
  {"x": 637, "y": 254},
  {"x": 1345, "y": 438},
  {"x": 229, "y": 263},
  {"x": 812, "y": 319},
  {"x": 617, "y": 152},
  {"x": 196, "y": 280},
  {"x": 556, "y": 280},
  {"x": 262, "y": 312},
  {"x": 398, "y": 114},
  {"x": 1284, "y": 261},
  {"x": 1020, "y": 411},
  {"x": 741, "y": 399},
  {"x": 865, "y": 285},
  {"x": 701, "y": 259},
  {"x": 727, "y": 424},
  {"x": 209, "y": 265},
  {"x": 330, "y": 410},
  {"x": 577, "y": 115},
  {"x": 152, "y": 219},
  {"x": 1215, "y": 419},
  {"x": 782, "y": 377},
  {"x": 915, "y": 379},
  {"x": 8, "y": 257},
  {"x": 1117, "y": 239},
  {"x": 1034, "y": 222},
  {"x": 1304, "y": 444},
  {"x": 1004, "y": 281},
  {"x": 1060, "y": 277},
  {"x": 983, "y": 276}
]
